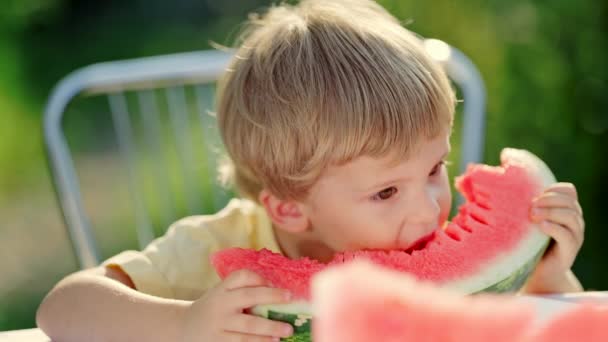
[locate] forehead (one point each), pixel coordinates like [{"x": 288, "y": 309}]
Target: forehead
[{"x": 366, "y": 170}]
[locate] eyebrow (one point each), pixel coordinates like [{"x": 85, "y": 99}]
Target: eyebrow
[{"x": 393, "y": 181}]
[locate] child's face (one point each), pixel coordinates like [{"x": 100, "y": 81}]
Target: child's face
[{"x": 373, "y": 203}]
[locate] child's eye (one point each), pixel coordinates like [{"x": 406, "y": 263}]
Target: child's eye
[
  {"x": 437, "y": 167},
  {"x": 385, "y": 194}
]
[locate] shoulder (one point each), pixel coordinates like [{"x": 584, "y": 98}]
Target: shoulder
[
  {"x": 236, "y": 211},
  {"x": 237, "y": 221}
]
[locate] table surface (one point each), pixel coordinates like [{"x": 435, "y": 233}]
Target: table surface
[
  {"x": 29, "y": 335},
  {"x": 547, "y": 306}
]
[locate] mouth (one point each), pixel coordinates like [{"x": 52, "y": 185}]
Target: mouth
[{"x": 420, "y": 243}]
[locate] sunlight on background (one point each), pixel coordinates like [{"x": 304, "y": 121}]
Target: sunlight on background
[{"x": 439, "y": 50}]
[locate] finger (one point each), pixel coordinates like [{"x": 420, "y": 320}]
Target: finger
[
  {"x": 566, "y": 240},
  {"x": 567, "y": 217},
  {"x": 243, "y": 278},
  {"x": 557, "y": 200},
  {"x": 247, "y": 297},
  {"x": 565, "y": 248},
  {"x": 239, "y": 337},
  {"x": 254, "y": 325},
  {"x": 564, "y": 188}
]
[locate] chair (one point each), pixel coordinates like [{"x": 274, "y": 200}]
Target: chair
[{"x": 172, "y": 77}]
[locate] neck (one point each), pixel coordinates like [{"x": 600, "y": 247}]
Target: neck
[{"x": 305, "y": 244}]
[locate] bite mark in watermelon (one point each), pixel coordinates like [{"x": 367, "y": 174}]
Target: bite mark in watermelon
[{"x": 490, "y": 245}]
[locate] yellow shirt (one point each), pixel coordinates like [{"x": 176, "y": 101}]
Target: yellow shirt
[{"x": 177, "y": 264}]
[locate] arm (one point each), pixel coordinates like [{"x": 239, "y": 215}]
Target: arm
[
  {"x": 101, "y": 304},
  {"x": 564, "y": 283}
]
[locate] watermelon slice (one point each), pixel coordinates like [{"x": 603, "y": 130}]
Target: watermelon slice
[
  {"x": 396, "y": 307},
  {"x": 490, "y": 245}
]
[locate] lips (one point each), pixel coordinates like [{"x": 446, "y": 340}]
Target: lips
[{"x": 420, "y": 243}]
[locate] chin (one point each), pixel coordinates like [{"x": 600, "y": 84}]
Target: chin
[{"x": 316, "y": 250}]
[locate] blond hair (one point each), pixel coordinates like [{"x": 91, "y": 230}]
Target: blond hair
[{"x": 322, "y": 83}]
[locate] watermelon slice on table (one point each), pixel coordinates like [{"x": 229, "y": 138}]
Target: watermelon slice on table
[
  {"x": 396, "y": 307},
  {"x": 490, "y": 245}
]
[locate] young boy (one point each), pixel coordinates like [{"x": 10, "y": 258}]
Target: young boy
[{"x": 337, "y": 124}]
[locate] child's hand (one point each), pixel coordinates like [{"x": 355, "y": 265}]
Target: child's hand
[
  {"x": 561, "y": 217},
  {"x": 219, "y": 314}
]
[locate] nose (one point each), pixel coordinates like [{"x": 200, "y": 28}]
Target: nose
[{"x": 425, "y": 213}]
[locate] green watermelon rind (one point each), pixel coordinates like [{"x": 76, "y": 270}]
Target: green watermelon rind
[
  {"x": 517, "y": 279},
  {"x": 527, "y": 256},
  {"x": 297, "y": 313},
  {"x": 300, "y": 323}
]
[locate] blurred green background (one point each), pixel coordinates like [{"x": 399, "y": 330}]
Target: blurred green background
[{"x": 544, "y": 64}]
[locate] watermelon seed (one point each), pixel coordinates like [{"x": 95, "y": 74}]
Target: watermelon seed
[
  {"x": 478, "y": 218},
  {"x": 465, "y": 228},
  {"x": 483, "y": 205},
  {"x": 452, "y": 234}
]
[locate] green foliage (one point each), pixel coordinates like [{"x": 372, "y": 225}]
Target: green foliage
[
  {"x": 17, "y": 14},
  {"x": 20, "y": 140}
]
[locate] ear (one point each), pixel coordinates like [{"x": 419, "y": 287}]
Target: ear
[{"x": 285, "y": 214}]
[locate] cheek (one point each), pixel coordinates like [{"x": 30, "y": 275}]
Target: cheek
[
  {"x": 445, "y": 199},
  {"x": 349, "y": 226},
  {"x": 331, "y": 221}
]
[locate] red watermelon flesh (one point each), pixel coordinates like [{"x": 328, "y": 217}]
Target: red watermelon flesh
[
  {"x": 588, "y": 323},
  {"x": 397, "y": 307},
  {"x": 490, "y": 245},
  {"x": 295, "y": 275},
  {"x": 394, "y": 307}
]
